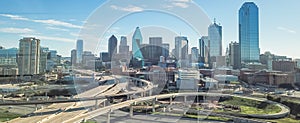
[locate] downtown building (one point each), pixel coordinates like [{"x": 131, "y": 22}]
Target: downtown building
[
  {"x": 234, "y": 55},
  {"x": 215, "y": 48},
  {"x": 181, "y": 51},
  {"x": 8, "y": 61},
  {"x": 137, "y": 56},
  {"x": 79, "y": 51},
  {"x": 29, "y": 56},
  {"x": 249, "y": 33},
  {"x": 204, "y": 45}
]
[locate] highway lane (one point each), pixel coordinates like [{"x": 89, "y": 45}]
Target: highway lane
[
  {"x": 53, "y": 108},
  {"x": 117, "y": 106}
]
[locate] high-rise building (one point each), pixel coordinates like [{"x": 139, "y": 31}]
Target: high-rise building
[
  {"x": 43, "y": 59},
  {"x": 73, "y": 57},
  {"x": 204, "y": 45},
  {"x": 165, "y": 50},
  {"x": 112, "y": 46},
  {"x": 29, "y": 56},
  {"x": 181, "y": 51},
  {"x": 215, "y": 38},
  {"x": 249, "y": 32},
  {"x": 8, "y": 56},
  {"x": 123, "y": 47},
  {"x": 79, "y": 51},
  {"x": 155, "y": 47},
  {"x": 195, "y": 55},
  {"x": 137, "y": 40},
  {"x": 234, "y": 55}
]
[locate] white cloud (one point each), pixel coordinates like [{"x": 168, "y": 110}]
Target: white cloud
[
  {"x": 14, "y": 17},
  {"x": 17, "y": 30},
  {"x": 51, "y": 22},
  {"x": 56, "y": 28},
  {"x": 74, "y": 34},
  {"x": 50, "y": 38},
  {"x": 180, "y": 4},
  {"x": 57, "y": 23},
  {"x": 129, "y": 8},
  {"x": 286, "y": 30},
  {"x": 177, "y": 3}
]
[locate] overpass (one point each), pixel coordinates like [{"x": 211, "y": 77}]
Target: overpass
[{"x": 129, "y": 103}]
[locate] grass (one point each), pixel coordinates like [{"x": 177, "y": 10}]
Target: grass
[
  {"x": 250, "y": 106},
  {"x": 214, "y": 118},
  {"x": 285, "y": 120},
  {"x": 6, "y": 116}
]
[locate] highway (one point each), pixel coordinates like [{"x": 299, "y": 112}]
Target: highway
[
  {"x": 79, "y": 104},
  {"x": 108, "y": 109}
]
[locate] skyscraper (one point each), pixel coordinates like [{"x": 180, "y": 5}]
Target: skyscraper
[
  {"x": 234, "y": 55},
  {"x": 249, "y": 32},
  {"x": 73, "y": 57},
  {"x": 155, "y": 47},
  {"x": 195, "y": 55},
  {"x": 43, "y": 59},
  {"x": 79, "y": 50},
  {"x": 29, "y": 56},
  {"x": 204, "y": 44},
  {"x": 123, "y": 47},
  {"x": 181, "y": 50},
  {"x": 215, "y": 38},
  {"x": 137, "y": 40},
  {"x": 165, "y": 50},
  {"x": 112, "y": 46}
]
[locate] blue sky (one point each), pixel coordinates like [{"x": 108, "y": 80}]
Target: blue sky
[{"x": 57, "y": 23}]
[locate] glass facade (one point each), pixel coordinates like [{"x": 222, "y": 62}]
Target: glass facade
[
  {"x": 215, "y": 37},
  {"x": 137, "y": 40},
  {"x": 79, "y": 49},
  {"x": 249, "y": 32}
]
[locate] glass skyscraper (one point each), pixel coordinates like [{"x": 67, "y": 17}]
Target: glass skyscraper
[
  {"x": 249, "y": 32},
  {"x": 112, "y": 46},
  {"x": 79, "y": 50},
  {"x": 215, "y": 37},
  {"x": 137, "y": 40}
]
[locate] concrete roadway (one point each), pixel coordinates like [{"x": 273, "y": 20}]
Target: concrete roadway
[{"x": 117, "y": 106}]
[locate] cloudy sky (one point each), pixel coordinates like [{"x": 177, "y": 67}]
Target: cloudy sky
[{"x": 60, "y": 23}]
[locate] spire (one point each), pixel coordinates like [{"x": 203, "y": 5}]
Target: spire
[{"x": 214, "y": 20}]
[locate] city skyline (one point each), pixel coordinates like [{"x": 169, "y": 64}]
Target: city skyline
[{"x": 272, "y": 30}]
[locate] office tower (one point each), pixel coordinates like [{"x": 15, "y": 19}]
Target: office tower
[
  {"x": 123, "y": 47},
  {"x": 195, "y": 55},
  {"x": 44, "y": 51},
  {"x": 137, "y": 40},
  {"x": 104, "y": 57},
  {"x": 165, "y": 50},
  {"x": 73, "y": 57},
  {"x": 87, "y": 57},
  {"x": 215, "y": 38},
  {"x": 112, "y": 46},
  {"x": 234, "y": 55},
  {"x": 29, "y": 56},
  {"x": 249, "y": 32},
  {"x": 181, "y": 51},
  {"x": 155, "y": 47},
  {"x": 204, "y": 45},
  {"x": 79, "y": 49},
  {"x": 8, "y": 57}
]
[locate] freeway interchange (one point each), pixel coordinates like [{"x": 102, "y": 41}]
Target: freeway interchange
[{"x": 96, "y": 101}]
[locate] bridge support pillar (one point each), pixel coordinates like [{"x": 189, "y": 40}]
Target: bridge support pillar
[
  {"x": 36, "y": 107},
  {"x": 184, "y": 99},
  {"x": 131, "y": 111},
  {"x": 108, "y": 116},
  {"x": 171, "y": 98},
  {"x": 150, "y": 92},
  {"x": 96, "y": 104},
  {"x": 153, "y": 105}
]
